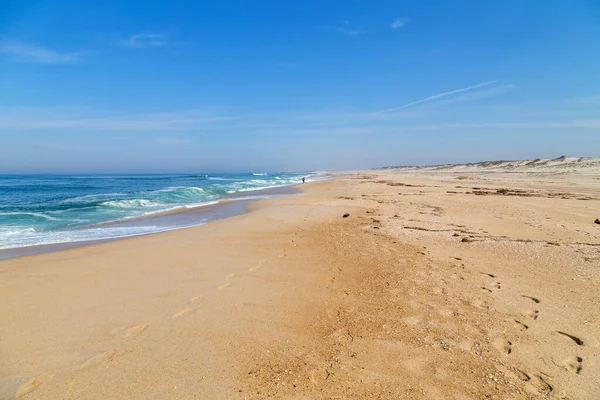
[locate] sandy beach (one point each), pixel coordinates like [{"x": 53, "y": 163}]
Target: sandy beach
[{"x": 440, "y": 284}]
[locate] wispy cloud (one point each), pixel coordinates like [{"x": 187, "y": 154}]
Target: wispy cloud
[
  {"x": 43, "y": 119},
  {"x": 335, "y": 116},
  {"x": 147, "y": 40},
  {"x": 27, "y": 53},
  {"x": 437, "y": 96},
  {"x": 399, "y": 23},
  {"x": 481, "y": 94},
  {"x": 583, "y": 123},
  {"x": 344, "y": 27},
  {"x": 351, "y": 32},
  {"x": 347, "y": 130}
]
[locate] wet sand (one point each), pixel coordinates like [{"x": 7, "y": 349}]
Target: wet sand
[{"x": 436, "y": 286}]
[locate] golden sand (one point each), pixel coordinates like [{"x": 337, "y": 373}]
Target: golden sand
[{"x": 433, "y": 288}]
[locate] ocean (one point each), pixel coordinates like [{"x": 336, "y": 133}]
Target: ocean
[{"x": 53, "y": 209}]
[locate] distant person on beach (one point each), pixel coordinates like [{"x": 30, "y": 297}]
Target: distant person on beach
[{"x": 303, "y": 179}]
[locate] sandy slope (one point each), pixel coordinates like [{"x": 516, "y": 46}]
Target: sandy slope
[
  {"x": 559, "y": 165},
  {"x": 431, "y": 289}
]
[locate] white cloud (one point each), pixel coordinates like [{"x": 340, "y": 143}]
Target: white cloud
[
  {"x": 147, "y": 40},
  {"x": 27, "y": 53},
  {"x": 399, "y": 23},
  {"x": 437, "y": 96},
  {"x": 43, "y": 119}
]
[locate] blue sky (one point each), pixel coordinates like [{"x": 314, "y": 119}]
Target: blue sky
[{"x": 124, "y": 86}]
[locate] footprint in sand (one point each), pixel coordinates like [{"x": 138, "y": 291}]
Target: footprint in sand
[
  {"x": 495, "y": 285},
  {"x": 573, "y": 364},
  {"x": 522, "y": 375},
  {"x": 534, "y": 299},
  {"x": 503, "y": 345},
  {"x": 226, "y": 284},
  {"x": 197, "y": 299},
  {"x": 99, "y": 357},
  {"x": 538, "y": 385},
  {"x": 28, "y": 387},
  {"x": 533, "y": 314},
  {"x": 578, "y": 341},
  {"x": 342, "y": 336},
  {"x": 514, "y": 374},
  {"x": 439, "y": 290},
  {"x": 194, "y": 300},
  {"x": 131, "y": 331},
  {"x": 183, "y": 312},
  {"x": 520, "y": 326}
]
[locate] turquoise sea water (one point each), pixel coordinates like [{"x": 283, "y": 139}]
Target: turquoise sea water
[{"x": 49, "y": 209}]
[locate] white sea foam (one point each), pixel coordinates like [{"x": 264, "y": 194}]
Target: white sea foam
[
  {"x": 133, "y": 203},
  {"x": 251, "y": 189},
  {"x": 180, "y": 188},
  {"x": 29, "y": 237},
  {"x": 91, "y": 197},
  {"x": 4, "y": 233},
  {"x": 167, "y": 210},
  {"x": 259, "y": 173}
]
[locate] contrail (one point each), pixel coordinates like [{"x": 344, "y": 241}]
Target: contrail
[{"x": 437, "y": 96}]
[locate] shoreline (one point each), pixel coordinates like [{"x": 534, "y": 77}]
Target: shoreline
[{"x": 175, "y": 219}]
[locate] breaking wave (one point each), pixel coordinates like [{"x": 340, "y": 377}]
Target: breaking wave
[{"x": 57, "y": 209}]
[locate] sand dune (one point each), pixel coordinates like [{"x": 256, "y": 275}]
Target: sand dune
[{"x": 559, "y": 165}]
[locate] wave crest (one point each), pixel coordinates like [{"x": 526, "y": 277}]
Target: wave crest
[
  {"x": 133, "y": 203},
  {"x": 31, "y": 214}
]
